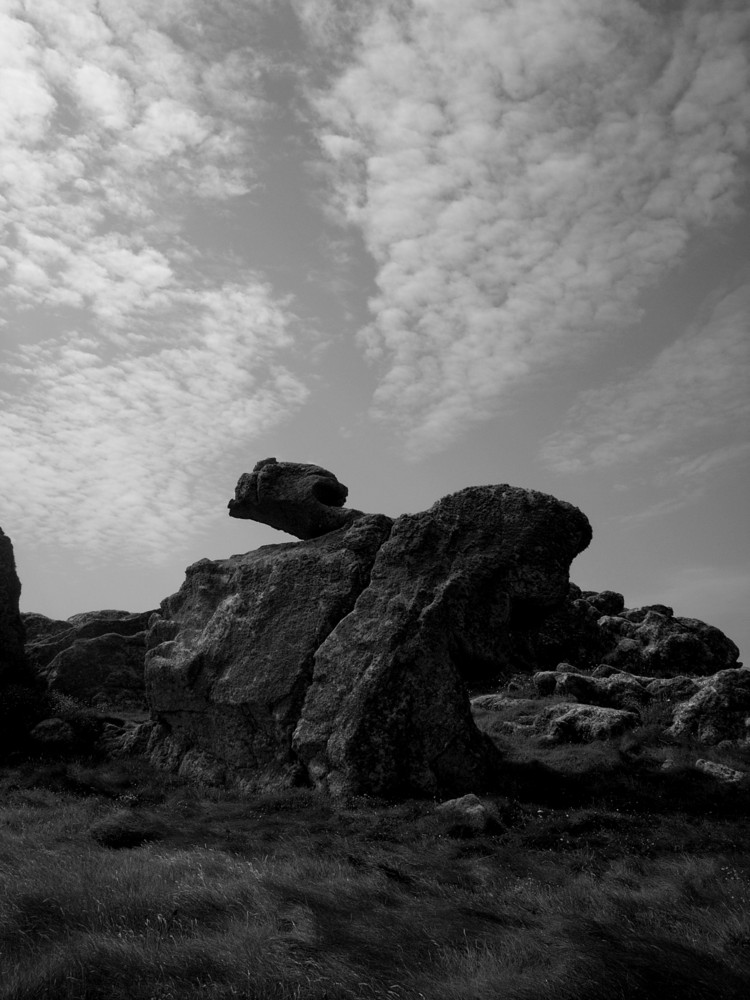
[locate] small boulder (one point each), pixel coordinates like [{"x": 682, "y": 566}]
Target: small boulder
[
  {"x": 54, "y": 734},
  {"x": 718, "y": 711},
  {"x": 572, "y": 723},
  {"x": 606, "y": 602},
  {"x": 468, "y": 816},
  {"x": 545, "y": 682},
  {"x": 721, "y": 772}
]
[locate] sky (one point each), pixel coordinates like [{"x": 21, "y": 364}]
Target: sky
[{"x": 427, "y": 244}]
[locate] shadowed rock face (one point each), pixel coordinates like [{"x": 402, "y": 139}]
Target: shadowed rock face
[
  {"x": 344, "y": 660},
  {"x": 93, "y": 655},
  {"x": 13, "y": 667},
  {"x": 304, "y": 500}
]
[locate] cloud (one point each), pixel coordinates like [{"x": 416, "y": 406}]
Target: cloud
[
  {"x": 677, "y": 408},
  {"x": 520, "y": 173},
  {"x": 119, "y": 455},
  {"x": 110, "y": 130},
  {"x": 148, "y": 364}
]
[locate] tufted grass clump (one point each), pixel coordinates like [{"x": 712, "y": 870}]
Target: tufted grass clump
[{"x": 119, "y": 882}]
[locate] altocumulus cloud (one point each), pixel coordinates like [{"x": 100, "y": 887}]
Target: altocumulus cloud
[
  {"x": 691, "y": 394},
  {"x": 520, "y": 172},
  {"x": 115, "y": 119},
  {"x": 115, "y": 450}
]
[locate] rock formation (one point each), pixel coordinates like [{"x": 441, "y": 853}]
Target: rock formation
[
  {"x": 20, "y": 694},
  {"x": 92, "y": 656},
  {"x": 345, "y": 659},
  {"x": 304, "y": 500},
  {"x": 594, "y": 628},
  {"x": 13, "y": 665}
]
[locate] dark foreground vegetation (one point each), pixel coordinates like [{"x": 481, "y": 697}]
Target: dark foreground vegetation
[{"x": 606, "y": 875}]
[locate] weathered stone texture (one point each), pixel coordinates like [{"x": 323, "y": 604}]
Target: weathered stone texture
[
  {"x": 233, "y": 650},
  {"x": 94, "y": 655},
  {"x": 718, "y": 711},
  {"x": 345, "y": 660},
  {"x": 305, "y": 500},
  {"x": 13, "y": 666}
]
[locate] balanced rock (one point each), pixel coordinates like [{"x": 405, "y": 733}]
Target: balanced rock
[
  {"x": 232, "y": 653},
  {"x": 304, "y": 500},
  {"x": 344, "y": 660},
  {"x": 620, "y": 690},
  {"x": 567, "y": 722}
]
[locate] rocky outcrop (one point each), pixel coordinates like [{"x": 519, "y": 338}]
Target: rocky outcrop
[
  {"x": 718, "y": 711},
  {"x": 93, "y": 656},
  {"x": 344, "y": 660},
  {"x": 232, "y": 652},
  {"x": 573, "y": 723},
  {"x": 13, "y": 665},
  {"x": 651, "y": 640},
  {"x": 595, "y": 628},
  {"x": 620, "y": 690}
]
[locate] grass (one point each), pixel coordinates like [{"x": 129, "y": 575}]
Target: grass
[
  {"x": 607, "y": 877},
  {"x": 117, "y": 882}
]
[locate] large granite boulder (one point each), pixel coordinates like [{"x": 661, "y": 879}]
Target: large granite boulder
[
  {"x": 344, "y": 660},
  {"x": 13, "y": 665},
  {"x": 304, "y": 500},
  {"x": 569, "y": 635},
  {"x": 620, "y": 690},
  {"x": 22, "y": 703},
  {"x": 95, "y": 656},
  {"x": 388, "y": 706}
]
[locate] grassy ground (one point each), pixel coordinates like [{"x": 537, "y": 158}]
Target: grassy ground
[{"x": 608, "y": 877}]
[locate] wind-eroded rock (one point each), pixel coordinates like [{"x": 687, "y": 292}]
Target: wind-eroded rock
[
  {"x": 305, "y": 500},
  {"x": 653, "y": 641},
  {"x": 718, "y": 711},
  {"x": 344, "y": 660},
  {"x": 232, "y": 653}
]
